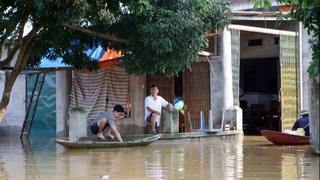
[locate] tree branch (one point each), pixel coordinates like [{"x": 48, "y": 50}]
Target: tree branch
[
  {"x": 9, "y": 58},
  {"x": 27, "y": 39},
  {"x": 25, "y": 56},
  {"x": 3, "y": 26},
  {"x": 93, "y": 33}
]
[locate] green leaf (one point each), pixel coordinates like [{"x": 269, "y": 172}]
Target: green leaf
[
  {"x": 316, "y": 70},
  {"x": 257, "y": 4},
  {"x": 267, "y": 4}
]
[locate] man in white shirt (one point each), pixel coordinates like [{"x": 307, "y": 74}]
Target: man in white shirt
[{"x": 153, "y": 108}]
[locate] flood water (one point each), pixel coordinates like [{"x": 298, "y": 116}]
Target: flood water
[{"x": 251, "y": 158}]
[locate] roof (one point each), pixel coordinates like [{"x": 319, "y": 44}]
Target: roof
[{"x": 105, "y": 58}]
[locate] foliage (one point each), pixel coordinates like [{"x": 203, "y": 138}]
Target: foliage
[
  {"x": 307, "y": 12},
  {"x": 162, "y": 37},
  {"x": 166, "y": 37}
]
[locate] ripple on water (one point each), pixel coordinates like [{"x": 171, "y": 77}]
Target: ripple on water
[{"x": 252, "y": 158}]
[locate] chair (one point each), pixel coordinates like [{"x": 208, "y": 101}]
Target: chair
[
  {"x": 181, "y": 122},
  {"x": 257, "y": 111}
]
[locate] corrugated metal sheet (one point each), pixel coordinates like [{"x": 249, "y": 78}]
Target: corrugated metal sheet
[
  {"x": 165, "y": 84},
  {"x": 289, "y": 72},
  {"x": 196, "y": 92}
]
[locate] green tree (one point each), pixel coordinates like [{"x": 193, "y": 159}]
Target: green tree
[
  {"x": 161, "y": 37},
  {"x": 307, "y": 12}
]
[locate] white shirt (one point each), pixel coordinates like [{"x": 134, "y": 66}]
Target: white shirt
[{"x": 155, "y": 104}]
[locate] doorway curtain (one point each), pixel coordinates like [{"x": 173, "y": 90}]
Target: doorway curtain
[
  {"x": 289, "y": 73},
  {"x": 235, "y": 58},
  {"x": 99, "y": 91}
]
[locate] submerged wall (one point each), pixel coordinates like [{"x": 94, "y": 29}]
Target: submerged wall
[
  {"x": 63, "y": 86},
  {"x": 314, "y": 116},
  {"x": 15, "y": 113}
]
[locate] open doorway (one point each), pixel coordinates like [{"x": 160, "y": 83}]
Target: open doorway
[
  {"x": 259, "y": 82},
  {"x": 179, "y": 100}
]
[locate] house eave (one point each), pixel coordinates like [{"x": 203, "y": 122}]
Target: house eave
[
  {"x": 254, "y": 15},
  {"x": 29, "y": 70}
]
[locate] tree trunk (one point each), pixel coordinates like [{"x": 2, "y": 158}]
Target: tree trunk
[{"x": 21, "y": 63}]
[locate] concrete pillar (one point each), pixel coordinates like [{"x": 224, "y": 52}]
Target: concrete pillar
[
  {"x": 77, "y": 123},
  {"x": 314, "y": 114},
  {"x": 138, "y": 92},
  {"x": 227, "y": 69},
  {"x": 170, "y": 121},
  {"x": 233, "y": 117},
  {"x": 63, "y": 86},
  {"x": 221, "y": 80}
]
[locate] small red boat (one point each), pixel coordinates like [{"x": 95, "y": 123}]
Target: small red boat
[{"x": 280, "y": 138}]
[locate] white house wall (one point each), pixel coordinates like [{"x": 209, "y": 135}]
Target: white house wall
[
  {"x": 267, "y": 50},
  {"x": 15, "y": 112},
  {"x": 306, "y": 55}
]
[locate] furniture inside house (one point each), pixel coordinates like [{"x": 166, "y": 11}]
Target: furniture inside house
[{"x": 263, "y": 115}]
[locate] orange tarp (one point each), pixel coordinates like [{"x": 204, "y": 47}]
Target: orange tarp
[
  {"x": 109, "y": 58},
  {"x": 110, "y": 54}
]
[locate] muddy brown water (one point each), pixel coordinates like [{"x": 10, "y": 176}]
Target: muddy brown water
[{"x": 251, "y": 158}]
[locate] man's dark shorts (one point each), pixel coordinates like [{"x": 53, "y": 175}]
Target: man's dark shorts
[
  {"x": 95, "y": 129},
  {"x": 148, "y": 121}
]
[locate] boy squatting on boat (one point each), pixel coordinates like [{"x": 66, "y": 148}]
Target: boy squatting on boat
[{"x": 106, "y": 120}]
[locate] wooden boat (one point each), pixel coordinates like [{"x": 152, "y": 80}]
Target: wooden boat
[
  {"x": 94, "y": 142},
  {"x": 280, "y": 138}
]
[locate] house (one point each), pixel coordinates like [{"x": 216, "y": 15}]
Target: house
[
  {"x": 296, "y": 91},
  {"x": 273, "y": 62},
  {"x": 51, "y": 75},
  {"x": 267, "y": 63}
]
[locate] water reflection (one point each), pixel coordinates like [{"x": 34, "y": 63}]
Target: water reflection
[
  {"x": 251, "y": 158},
  {"x": 153, "y": 165}
]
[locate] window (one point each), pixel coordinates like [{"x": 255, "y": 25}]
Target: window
[
  {"x": 255, "y": 42},
  {"x": 276, "y": 40}
]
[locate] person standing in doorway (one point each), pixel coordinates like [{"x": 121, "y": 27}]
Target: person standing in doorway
[
  {"x": 106, "y": 120},
  {"x": 153, "y": 107}
]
